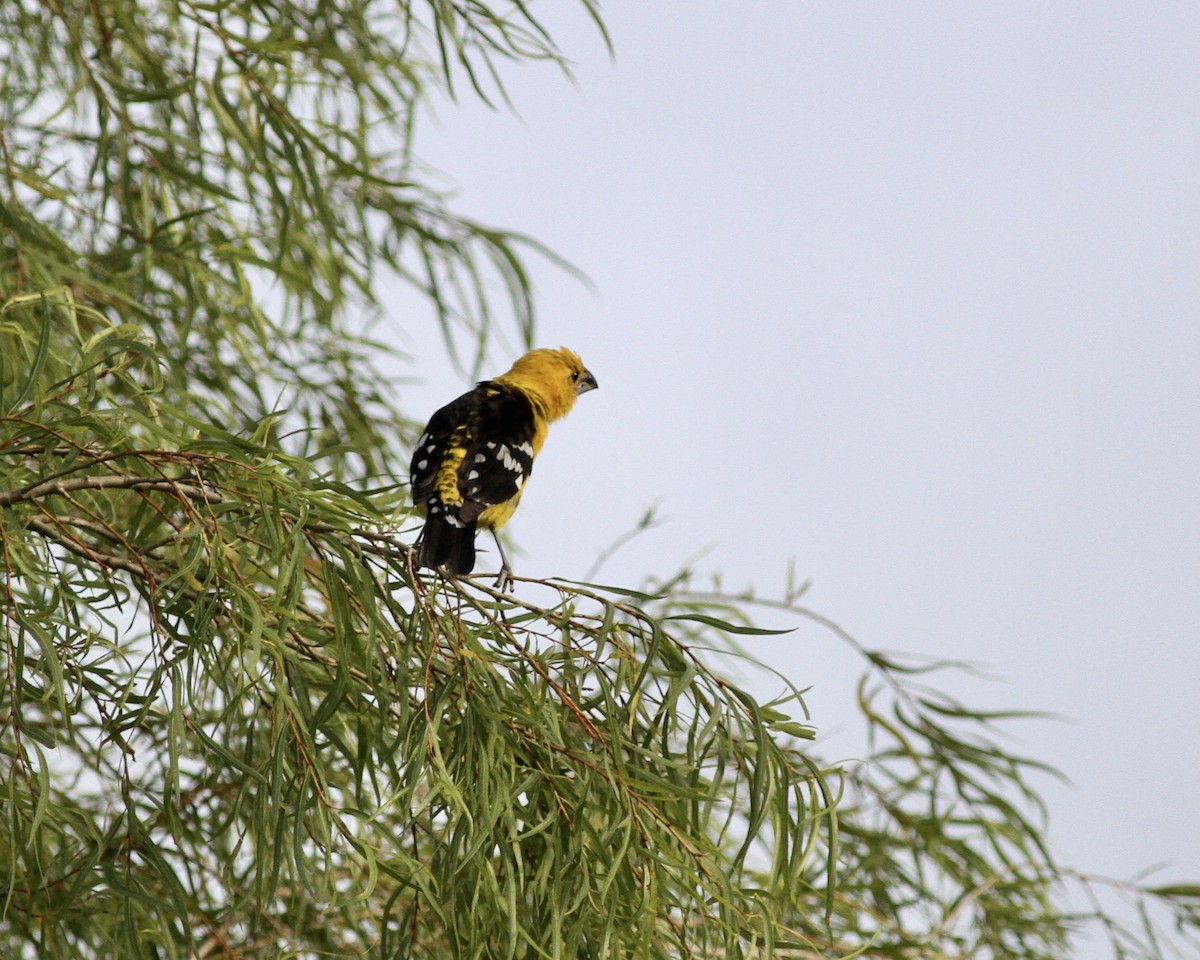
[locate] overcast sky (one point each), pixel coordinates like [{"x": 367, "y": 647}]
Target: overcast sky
[{"x": 907, "y": 294}]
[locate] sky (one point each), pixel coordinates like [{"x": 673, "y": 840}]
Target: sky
[{"x": 906, "y": 296}]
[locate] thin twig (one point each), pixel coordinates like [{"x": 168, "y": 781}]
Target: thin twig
[
  {"x": 79, "y": 548},
  {"x": 51, "y": 487}
]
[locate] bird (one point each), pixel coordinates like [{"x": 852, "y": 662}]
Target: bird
[{"x": 470, "y": 466}]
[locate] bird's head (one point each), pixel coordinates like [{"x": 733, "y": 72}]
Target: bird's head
[{"x": 555, "y": 377}]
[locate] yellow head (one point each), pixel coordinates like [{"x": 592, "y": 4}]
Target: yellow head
[{"x": 552, "y": 379}]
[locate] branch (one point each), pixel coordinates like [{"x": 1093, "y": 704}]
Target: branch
[
  {"x": 88, "y": 552},
  {"x": 52, "y": 487}
]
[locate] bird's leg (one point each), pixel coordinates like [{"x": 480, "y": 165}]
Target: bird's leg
[{"x": 504, "y": 581}]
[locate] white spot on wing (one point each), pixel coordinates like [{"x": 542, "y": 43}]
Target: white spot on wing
[
  {"x": 509, "y": 461},
  {"x": 473, "y": 475},
  {"x": 422, "y": 464}
]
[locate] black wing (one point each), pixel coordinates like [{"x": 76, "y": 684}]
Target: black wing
[
  {"x": 495, "y": 425},
  {"x": 454, "y": 418}
]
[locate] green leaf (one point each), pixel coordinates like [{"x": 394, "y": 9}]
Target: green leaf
[{"x": 726, "y": 627}]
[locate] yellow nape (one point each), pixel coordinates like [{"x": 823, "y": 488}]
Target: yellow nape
[{"x": 550, "y": 378}]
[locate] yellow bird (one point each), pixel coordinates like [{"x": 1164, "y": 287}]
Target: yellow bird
[{"x": 475, "y": 456}]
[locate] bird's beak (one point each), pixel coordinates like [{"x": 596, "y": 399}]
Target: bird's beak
[{"x": 585, "y": 383}]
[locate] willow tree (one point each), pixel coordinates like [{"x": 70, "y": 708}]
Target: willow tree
[{"x": 234, "y": 721}]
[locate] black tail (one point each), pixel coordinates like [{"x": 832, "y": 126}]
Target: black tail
[{"x": 446, "y": 544}]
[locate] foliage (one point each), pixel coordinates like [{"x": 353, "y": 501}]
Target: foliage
[{"x": 233, "y": 720}]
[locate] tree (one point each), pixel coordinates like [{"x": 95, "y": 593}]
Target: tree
[{"x": 234, "y": 721}]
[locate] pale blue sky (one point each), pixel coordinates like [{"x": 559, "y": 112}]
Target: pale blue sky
[{"x": 908, "y": 293}]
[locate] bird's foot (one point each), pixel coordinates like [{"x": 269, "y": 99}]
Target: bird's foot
[{"x": 504, "y": 581}]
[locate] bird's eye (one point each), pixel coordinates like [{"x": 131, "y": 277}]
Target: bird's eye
[{"x": 574, "y": 375}]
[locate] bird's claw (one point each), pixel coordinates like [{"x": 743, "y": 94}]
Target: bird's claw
[{"x": 504, "y": 581}]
